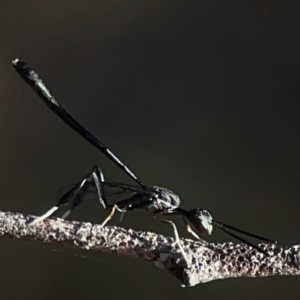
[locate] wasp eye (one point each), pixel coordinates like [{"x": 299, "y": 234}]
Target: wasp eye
[{"x": 201, "y": 220}]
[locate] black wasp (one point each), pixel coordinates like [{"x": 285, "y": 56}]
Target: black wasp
[{"x": 156, "y": 200}]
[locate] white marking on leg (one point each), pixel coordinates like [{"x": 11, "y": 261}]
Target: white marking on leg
[
  {"x": 110, "y": 216},
  {"x": 66, "y": 214},
  {"x": 177, "y": 239},
  {"x": 44, "y": 216}
]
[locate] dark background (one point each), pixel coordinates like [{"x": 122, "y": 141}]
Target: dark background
[{"x": 201, "y": 97}]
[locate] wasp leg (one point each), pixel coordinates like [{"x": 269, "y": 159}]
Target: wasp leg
[
  {"x": 111, "y": 215},
  {"x": 177, "y": 238},
  {"x": 76, "y": 195}
]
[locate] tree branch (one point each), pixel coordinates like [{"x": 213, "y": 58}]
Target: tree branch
[{"x": 206, "y": 263}]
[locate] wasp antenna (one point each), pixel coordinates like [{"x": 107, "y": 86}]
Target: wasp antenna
[
  {"x": 244, "y": 241},
  {"x": 222, "y": 225}
]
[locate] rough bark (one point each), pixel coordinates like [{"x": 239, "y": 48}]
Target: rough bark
[{"x": 201, "y": 264}]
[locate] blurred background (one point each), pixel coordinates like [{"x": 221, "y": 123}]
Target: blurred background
[{"x": 201, "y": 97}]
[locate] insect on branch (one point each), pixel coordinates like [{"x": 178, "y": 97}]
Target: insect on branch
[
  {"x": 156, "y": 200},
  {"x": 191, "y": 262}
]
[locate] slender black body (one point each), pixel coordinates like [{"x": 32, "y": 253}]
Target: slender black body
[{"x": 156, "y": 200}]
